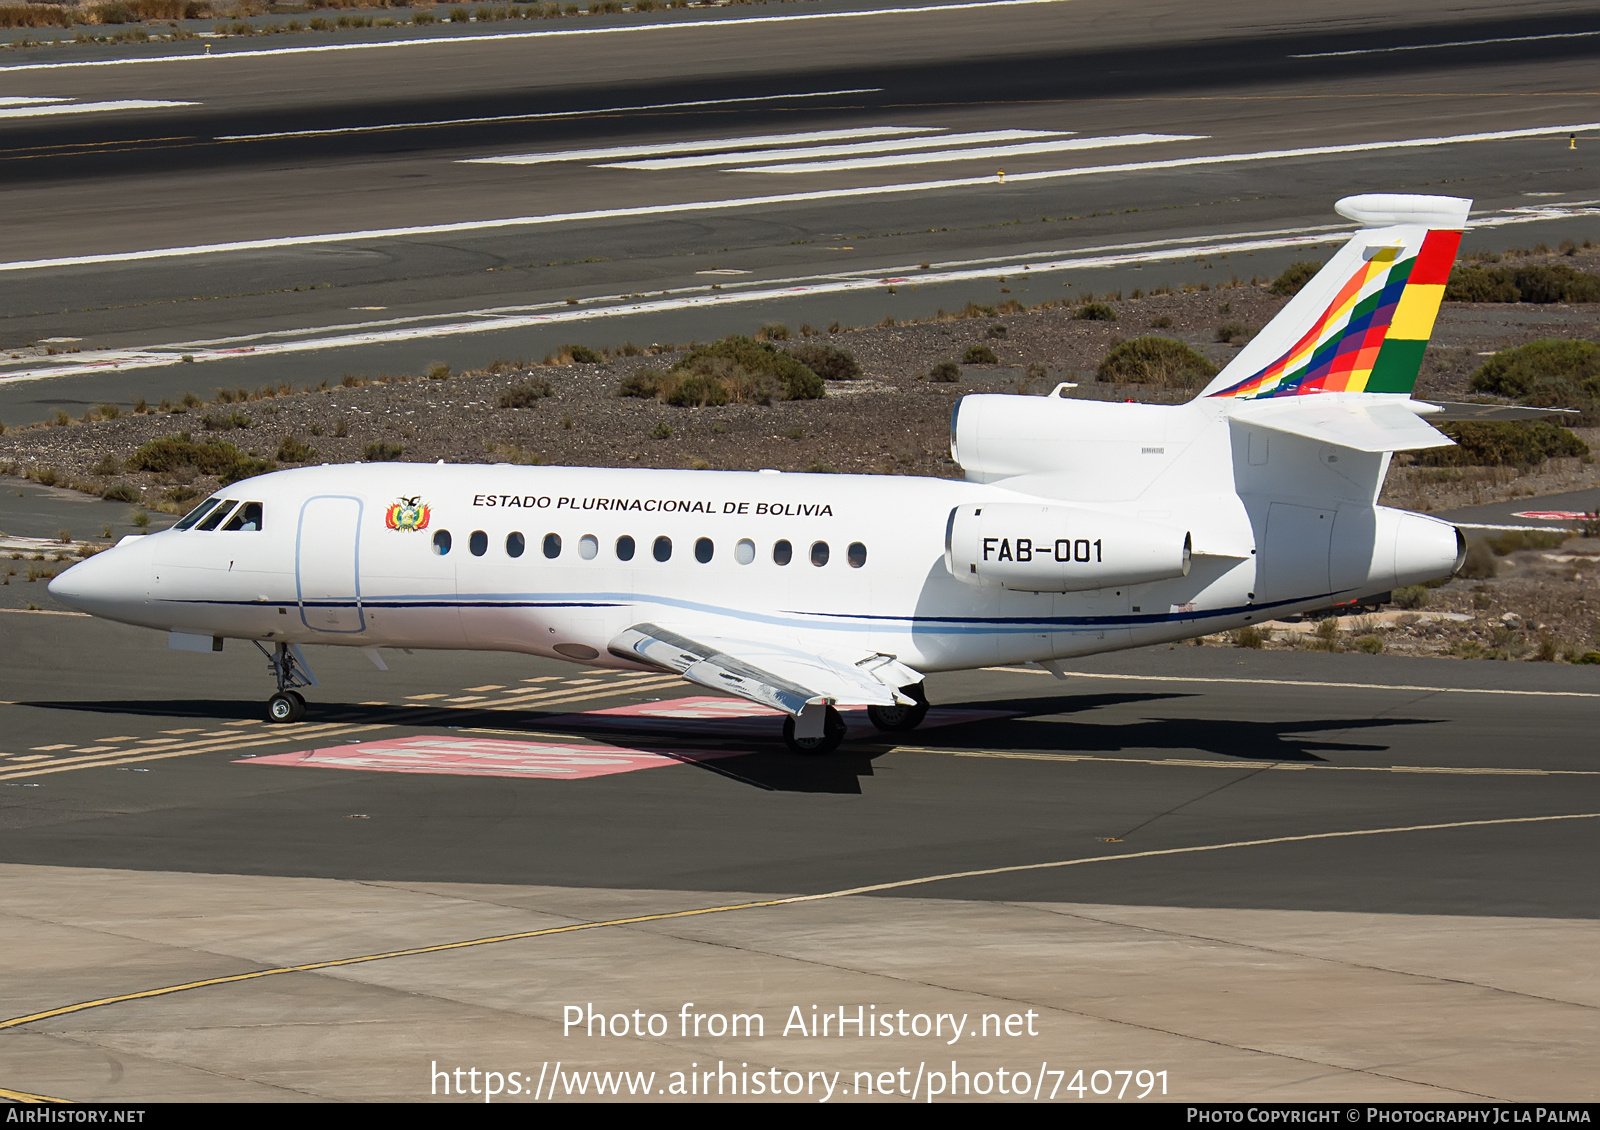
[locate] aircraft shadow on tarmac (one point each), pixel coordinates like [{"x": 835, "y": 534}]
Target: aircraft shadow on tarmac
[{"x": 757, "y": 759}]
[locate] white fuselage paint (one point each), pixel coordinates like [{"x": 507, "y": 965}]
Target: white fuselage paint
[{"x": 327, "y": 568}]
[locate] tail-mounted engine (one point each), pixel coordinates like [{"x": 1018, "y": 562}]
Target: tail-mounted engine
[{"x": 1045, "y": 548}]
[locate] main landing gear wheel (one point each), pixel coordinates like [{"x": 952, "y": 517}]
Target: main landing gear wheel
[
  {"x": 833, "y": 731},
  {"x": 286, "y": 706},
  {"x": 898, "y": 719}
]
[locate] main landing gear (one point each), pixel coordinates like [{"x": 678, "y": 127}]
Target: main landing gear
[
  {"x": 289, "y": 668},
  {"x": 895, "y": 719},
  {"x": 898, "y": 719}
]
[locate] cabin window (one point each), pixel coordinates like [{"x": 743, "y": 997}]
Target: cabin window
[
  {"x": 552, "y": 546},
  {"x": 703, "y": 550},
  {"x": 663, "y": 548},
  {"x": 782, "y": 553},
  {"x": 819, "y": 553},
  {"x": 745, "y": 551},
  {"x": 624, "y": 548},
  {"x": 588, "y": 547},
  {"x": 441, "y": 542},
  {"x": 217, "y": 515},
  {"x": 197, "y": 513},
  {"x": 856, "y": 555},
  {"x": 515, "y": 544},
  {"x": 247, "y": 517},
  {"x": 478, "y": 543}
]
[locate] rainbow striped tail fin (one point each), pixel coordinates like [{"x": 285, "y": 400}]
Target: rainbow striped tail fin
[{"x": 1362, "y": 323}]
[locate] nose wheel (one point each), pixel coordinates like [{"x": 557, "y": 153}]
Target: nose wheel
[
  {"x": 286, "y": 706},
  {"x": 288, "y": 666}
]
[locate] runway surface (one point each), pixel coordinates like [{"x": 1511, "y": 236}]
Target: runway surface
[{"x": 282, "y": 215}]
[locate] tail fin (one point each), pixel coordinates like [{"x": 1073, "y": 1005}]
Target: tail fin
[{"x": 1362, "y": 323}]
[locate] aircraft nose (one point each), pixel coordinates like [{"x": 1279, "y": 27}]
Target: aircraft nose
[{"x": 108, "y": 582}]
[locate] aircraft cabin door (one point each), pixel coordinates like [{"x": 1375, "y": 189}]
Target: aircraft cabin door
[{"x": 327, "y": 564}]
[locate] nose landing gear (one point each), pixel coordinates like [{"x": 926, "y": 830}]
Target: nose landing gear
[{"x": 288, "y": 666}]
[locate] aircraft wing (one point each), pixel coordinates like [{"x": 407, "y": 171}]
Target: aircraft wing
[{"x": 772, "y": 674}]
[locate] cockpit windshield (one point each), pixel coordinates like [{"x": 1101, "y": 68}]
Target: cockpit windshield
[{"x": 197, "y": 513}]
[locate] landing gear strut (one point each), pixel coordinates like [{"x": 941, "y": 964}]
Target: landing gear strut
[
  {"x": 897, "y": 719},
  {"x": 289, "y": 668}
]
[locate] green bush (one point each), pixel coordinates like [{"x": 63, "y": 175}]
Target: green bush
[
  {"x": 1158, "y": 361},
  {"x": 120, "y": 492},
  {"x": 294, "y": 450},
  {"x": 1294, "y": 277},
  {"x": 1094, "y": 312},
  {"x": 645, "y": 384},
  {"x": 945, "y": 372},
  {"x": 1540, "y": 283},
  {"x": 1498, "y": 443},
  {"x": 216, "y": 422},
  {"x": 827, "y": 361},
  {"x": 1551, "y": 373},
  {"x": 213, "y": 457},
  {"x": 735, "y": 369},
  {"x": 526, "y": 394},
  {"x": 1411, "y": 597},
  {"x": 582, "y": 354},
  {"x": 1588, "y": 657},
  {"x": 979, "y": 355},
  {"x": 1249, "y": 636},
  {"x": 1372, "y": 645},
  {"x": 1508, "y": 542},
  {"x": 694, "y": 390},
  {"x": 1230, "y": 331},
  {"x": 382, "y": 452}
]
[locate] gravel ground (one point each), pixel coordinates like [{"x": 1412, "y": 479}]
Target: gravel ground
[{"x": 892, "y": 421}]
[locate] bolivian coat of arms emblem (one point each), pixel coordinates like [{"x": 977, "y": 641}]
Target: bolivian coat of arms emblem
[{"x": 407, "y": 514}]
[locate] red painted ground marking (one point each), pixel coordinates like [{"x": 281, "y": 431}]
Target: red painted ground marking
[
  {"x": 484, "y": 757},
  {"x": 1554, "y": 515},
  {"x": 712, "y": 716}
]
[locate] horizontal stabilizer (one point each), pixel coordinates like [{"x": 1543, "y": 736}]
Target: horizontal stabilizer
[
  {"x": 1368, "y": 424},
  {"x": 1458, "y": 410},
  {"x": 784, "y": 678}
]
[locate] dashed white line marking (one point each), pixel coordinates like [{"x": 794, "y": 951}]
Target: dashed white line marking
[
  {"x": 20, "y": 101},
  {"x": 703, "y": 146},
  {"x": 991, "y": 153},
  {"x": 1451, "y": 43},
  {"x": 838, "y": 150},
  {"x": 537, "y": 117},
  {"x": 831, "y": 194},
  {"x": 515, "y": 36},
  {"x": 57, "y": 108}
]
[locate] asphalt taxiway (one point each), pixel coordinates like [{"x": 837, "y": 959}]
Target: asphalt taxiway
[
  {"x": 277, "y": 213},
  {"x": 1243, "y": 864}
]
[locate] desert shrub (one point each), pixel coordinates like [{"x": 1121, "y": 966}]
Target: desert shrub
[
  {"x": 697, "y": 390},
  {"x": 294, "y": 450},
  {"x": 526, "y": 394},
  {"x": 438, "y": 371},
  {"x": 1480, "y": 563},
  {"x": 1588, "y": 657},
  {"x": 1372, "y": 645},
  {"x": 662, "y": 430},
  {"x": 1158, "y": 361},
  {"x": 996, "y": 331},
  {"x": 382, "y": 452},
  {"x": 1540, "y": 283},
  {"x": 1551, "y": 373},
  {"x": 1508, "y": 542},
  {"x": 945, "y": 372},
  {"x": 1480, "y": 284},
  {"x": 645, "y": 384},
  {"x": 1161, "y": 323},
  {"x": 217, "y": 422},
  {"x": 773, "y": 331},
  {"x": 827, "y": 361},
  {"x": 1231, "y": 331},
  {"x": 120, "y": 492},
  {"x": 1249, "y": 636},
  {"x": 979, "y": 355},
  {"x": 1294, "y": 277},
  {"x": 1411, "y": 597},
  {"x": 582, "y": 355},
  {"x": 1094, "y": 312},
  {"x": 108, "y": 465},
  {"x": 755, "y": 371},
  {"x": 1502, "y": 443},
  {"x": 213, "y": 457}
]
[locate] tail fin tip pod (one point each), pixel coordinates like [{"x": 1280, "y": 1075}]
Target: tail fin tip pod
[{"x": 1362, "y": 323}]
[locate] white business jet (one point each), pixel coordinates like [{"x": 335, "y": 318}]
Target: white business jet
[{"x": 1082, "y": 526}]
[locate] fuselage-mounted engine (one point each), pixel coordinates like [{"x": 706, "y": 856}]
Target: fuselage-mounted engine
[{"x": 1049, "y": 548}]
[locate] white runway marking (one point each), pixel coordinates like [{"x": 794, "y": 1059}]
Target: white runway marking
[
  {"x": 537, "y": 117},
  {"x": 1452, "y": 43},
  {"x": 837, "y": 150},
  {"x": 512, "y": 36},
  {"x": 1312, "y": 683},
  {"x": 830, "y": 195},
  {"x": 58, "y": 106},
  {"x": 696, "y": 146},
  {"x": 988, "y": 153},
  {"x": 19, "y": 101}
]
